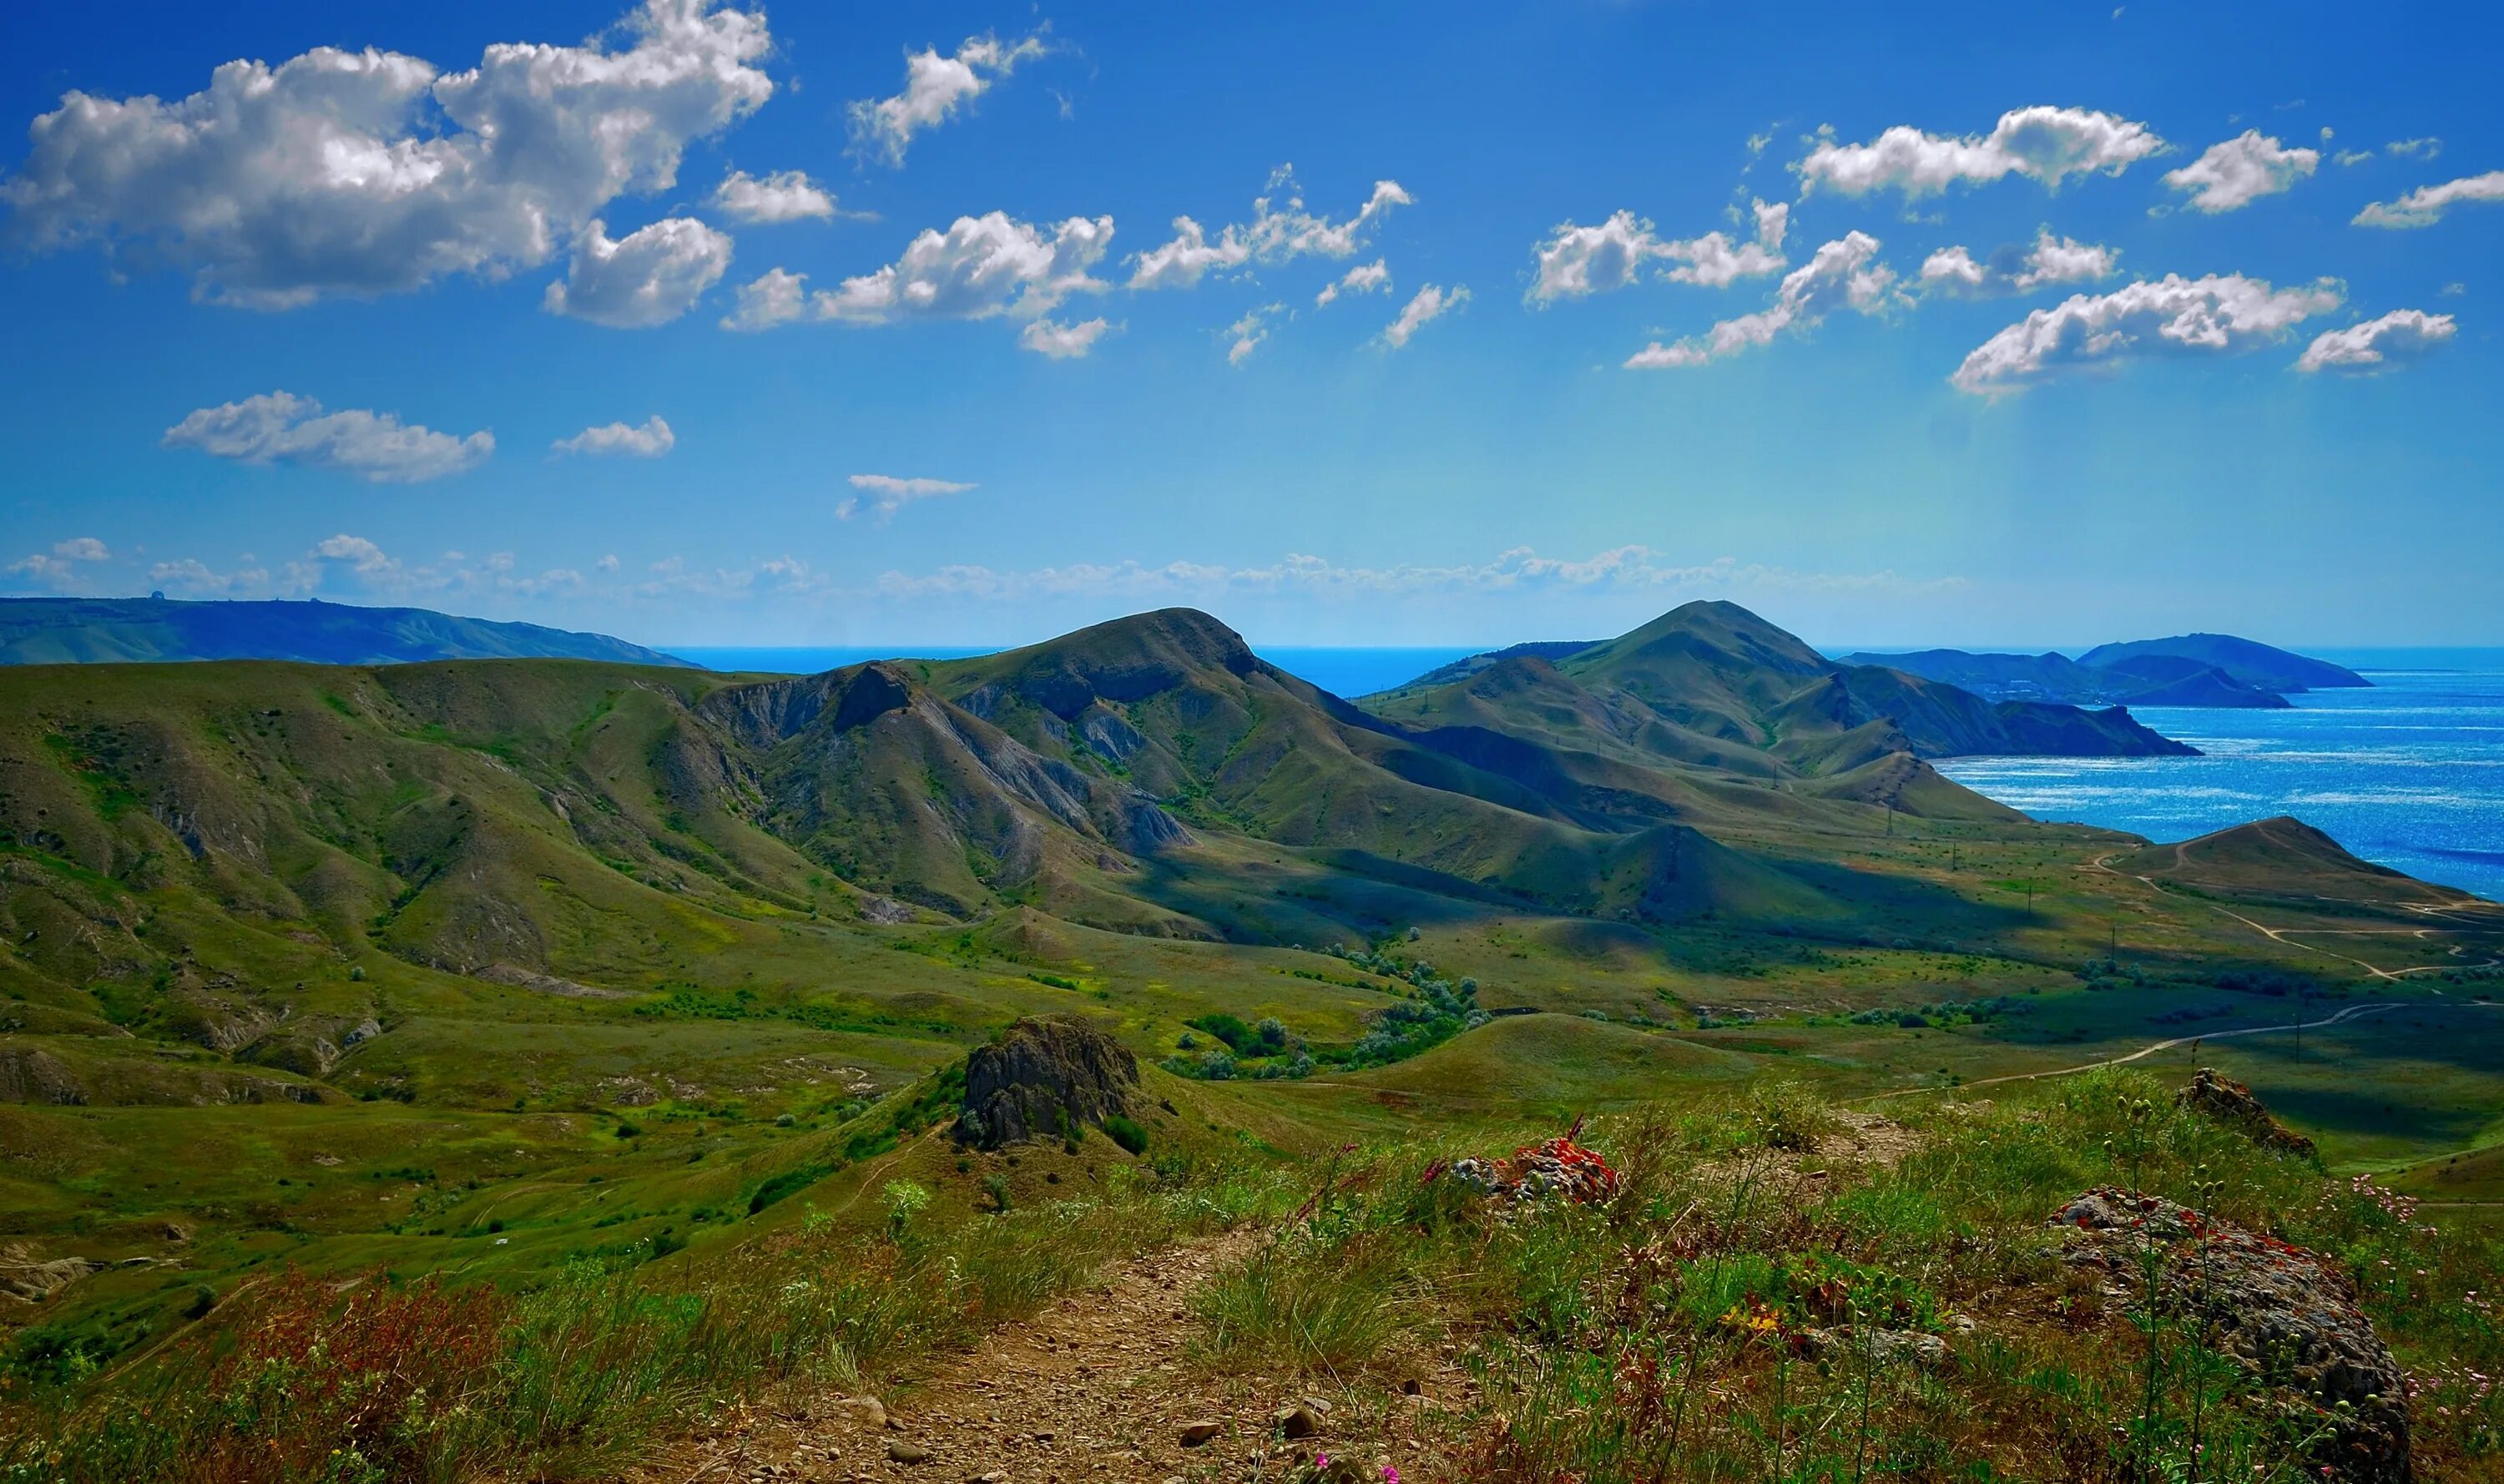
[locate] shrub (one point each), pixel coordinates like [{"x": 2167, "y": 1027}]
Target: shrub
[{"x": 1127, "y": 1134}]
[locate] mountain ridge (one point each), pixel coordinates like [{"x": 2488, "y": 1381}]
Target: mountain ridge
[{"x": 97, "y": 631}]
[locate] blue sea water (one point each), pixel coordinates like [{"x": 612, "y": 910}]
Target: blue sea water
[
  {"x": 1344, "y": 672},
  {"x": 2409, "y": 774}
]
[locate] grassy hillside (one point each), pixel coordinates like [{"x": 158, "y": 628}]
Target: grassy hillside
[{"x": 513, "y": 969}]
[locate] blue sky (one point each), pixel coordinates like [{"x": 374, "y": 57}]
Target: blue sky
[{"x": 318, "y": 326}]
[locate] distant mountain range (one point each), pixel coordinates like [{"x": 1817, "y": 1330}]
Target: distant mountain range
[
  {"x": 2199, "y": 670},
  {"x": 92, "y": 631},
  {"x": 1639, "y": 778}
]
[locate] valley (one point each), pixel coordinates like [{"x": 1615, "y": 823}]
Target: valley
[{"x": 490, "y": 967}]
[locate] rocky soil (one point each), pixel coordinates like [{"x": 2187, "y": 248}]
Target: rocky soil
[{"x": 1102, "y": 1386}]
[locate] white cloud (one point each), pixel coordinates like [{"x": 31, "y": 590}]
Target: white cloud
[
  {"x": 787, "y": 196},
  {"x": 2425, "y": 205},
  {"x": 935, "y": 87},
  {"x": 355, "y": 551},
  {"x": 371, "y": 172},
  {"x": 1061, "y": 342},
  {"x": 981, "y": 267},
  {"x": 648, "y": 277},
  {"x": 1637, "y": 569},
  {"x": 191, "y": 577},
  {"x": 883, "y": 494},
  {"x": 58, "y": 570},
  {"x": 1430, "y": 303},
  {"x": 1841, "y": 274},
  {"x": 282, "y": 428},
  {"x": 2169, "y": 315},
  {"x": 2041, "y": 143},
  {"x": 1364, "y": 278},
  {"x": 2233, "y": 173},
  {"x": 776, "y": 297},
  {"x": 1249, "y": 331},
  {"x": 2416, "y": 149},
  {"x": 649, "y": 441},
  {"x": 2351, "y": 156},
  {"x": 1578, "y": 260},
  {"x": 1281, "y": 228},
  {"x": 2377, "y": 345},
  {"x": 2018, "y": 267}
]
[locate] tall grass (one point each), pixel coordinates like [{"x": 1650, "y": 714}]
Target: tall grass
[
  {"x": 368, "y": 1383},
  {"x": 1739, "y": 1312}
]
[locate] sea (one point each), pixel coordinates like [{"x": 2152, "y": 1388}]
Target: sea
[{"x": 2409, "y": 774}]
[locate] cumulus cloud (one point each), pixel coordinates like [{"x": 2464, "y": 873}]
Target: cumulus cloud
[
  {"x": 2233, "y": 173},
  {"x": 2217, "y": 315},
  {"x": 979, "y": 268},
  {"x": 648, "y": 277},
  {"x": 2377, "y": 345},
  {"x": 1280, "y": 228},
  {"x": 883, "y": 494},
  {"x": 935, "y": 87},
  {"x": 1063, "y": 343},
  {"x": 372, "y": 172},
  {"x": 1364, "y": 278},
  {"x": 1842, "y": 274},
  {"x": 1578, "y": 260},
  {"x": 649, "y": 441},
  {"x": 282, "y": 428},
  {"x": 1430, "y": 303},
  {"x": 2416, "y": 149},
  {"x": 2425, "y": 205},
  {"x": 2018, "y": 267},
  {"x": 2044, "y": 144},
  {"x": 58, "y": 568},
  {"x": 2351, "y": 156},
  {"x": 787, "y": 196},
  {"x": 1249, "y": 331},
  {"x": 1638, "y": 568}
]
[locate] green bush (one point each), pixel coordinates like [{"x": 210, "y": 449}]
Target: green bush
[{"x": 1127, "y": 1134}]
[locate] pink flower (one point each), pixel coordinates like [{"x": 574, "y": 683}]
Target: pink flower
[{"x": 1390, "y": 1475}]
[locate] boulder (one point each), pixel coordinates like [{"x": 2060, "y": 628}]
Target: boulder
[
  {"x": 1043, "y": 1079},
  {"x": 2286, "y": 1314},
  {"x": 2232, "y": 1103}
]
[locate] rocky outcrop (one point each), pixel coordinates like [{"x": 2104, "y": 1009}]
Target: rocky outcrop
[
  {"x": 1042, "y": 1079},
  {"x": 2233, "y": 1104},
  {"x": 31, "y": 1076},
  {"x": 2287, "y": 1315}
]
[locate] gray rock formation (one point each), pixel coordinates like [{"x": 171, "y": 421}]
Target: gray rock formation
[{"x": 1043, "y": 1079}]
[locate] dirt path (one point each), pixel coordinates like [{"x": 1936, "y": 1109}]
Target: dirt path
[
  {"x": 2352, "y": 1011},
  {"x": 1100, "y": 1386},
  {"x": 2287, "y": 937}
]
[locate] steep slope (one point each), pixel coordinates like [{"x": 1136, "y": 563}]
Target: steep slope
[
  {"x": 89, "y": 631},
  {"x": 2248, "y": 661},
  {"x": 1176, "y": 705}
]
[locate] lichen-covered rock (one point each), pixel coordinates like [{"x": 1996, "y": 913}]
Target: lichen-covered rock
[
  {"x": 2288, "y": 1315},
  {"x": 1042, "y": 1079},
  {"x": 2233, "y": 1104}
]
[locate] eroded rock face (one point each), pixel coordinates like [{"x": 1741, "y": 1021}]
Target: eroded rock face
[
  {"x": 2286, "y": 1314},
  {"x": 1041, "y": 1079},
  {"x": 2233, "y": 1104}
]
